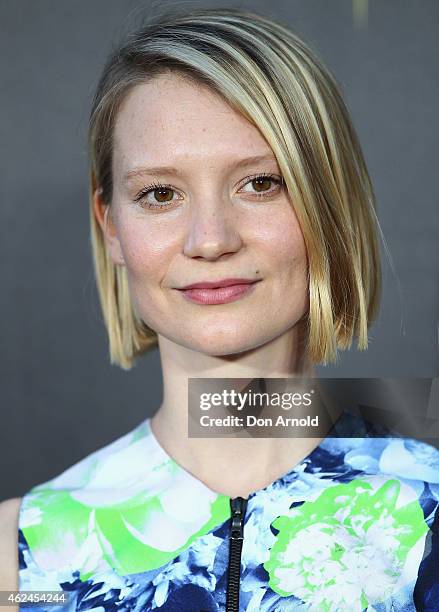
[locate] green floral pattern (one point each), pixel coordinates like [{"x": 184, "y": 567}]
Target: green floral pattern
[
  {"x": 123, "y": 517},
  {"x": 348, "y": 547},
  {"x": 350, "y": 528}
]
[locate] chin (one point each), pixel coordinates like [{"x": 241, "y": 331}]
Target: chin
[{"x": 224, "y": 345}]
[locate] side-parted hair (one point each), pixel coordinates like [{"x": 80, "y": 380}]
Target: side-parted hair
[{"x": 272, "y": 78}]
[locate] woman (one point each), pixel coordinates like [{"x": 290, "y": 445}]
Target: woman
[{"x": 222, "y": 155}]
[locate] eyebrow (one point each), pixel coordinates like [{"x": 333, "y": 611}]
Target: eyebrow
[{"x": 170, "y": 170}]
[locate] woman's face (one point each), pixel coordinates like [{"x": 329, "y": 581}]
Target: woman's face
[{"x": 212, "y": 219}]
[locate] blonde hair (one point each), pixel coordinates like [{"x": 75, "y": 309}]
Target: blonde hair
[{"x": 270, "y": 76}]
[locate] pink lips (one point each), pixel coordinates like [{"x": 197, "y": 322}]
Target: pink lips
[{"x": 218, "y": 292}]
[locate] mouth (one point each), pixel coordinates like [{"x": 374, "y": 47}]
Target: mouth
[
  {"x": 220, "y": 292},
  {"x": 225, "y": 282}
]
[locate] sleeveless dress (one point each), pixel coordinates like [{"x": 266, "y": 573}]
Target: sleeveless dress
[{"x": 354, "y": 526}]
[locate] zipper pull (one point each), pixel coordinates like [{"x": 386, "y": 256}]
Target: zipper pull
[{"x": 238, "y": 506}]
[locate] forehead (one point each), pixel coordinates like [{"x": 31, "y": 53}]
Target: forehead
[{"x": 171, "y": 117}]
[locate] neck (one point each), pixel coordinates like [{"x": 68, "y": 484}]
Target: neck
[{"x": 234, "y": 465}]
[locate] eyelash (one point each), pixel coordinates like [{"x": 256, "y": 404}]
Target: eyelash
[{"x": 263, "y": 194}]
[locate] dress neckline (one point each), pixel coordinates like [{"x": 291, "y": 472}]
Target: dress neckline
[{"x": 347, "y": 425}]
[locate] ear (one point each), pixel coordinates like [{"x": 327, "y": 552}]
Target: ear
[{"x": 104, "y": 217}]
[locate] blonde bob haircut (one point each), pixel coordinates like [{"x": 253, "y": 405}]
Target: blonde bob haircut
[{"x": 269, "y": 75}]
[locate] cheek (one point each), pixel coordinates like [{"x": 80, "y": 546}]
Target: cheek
[
  {"x": 145, "y": 252},
  {"x": 146, "y": 261},
  {"x": 290, "y": 294},
  {"x": 287, "y": 245}
]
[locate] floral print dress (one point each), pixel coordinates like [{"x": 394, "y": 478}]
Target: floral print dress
[{"x": 354, "y": 526}]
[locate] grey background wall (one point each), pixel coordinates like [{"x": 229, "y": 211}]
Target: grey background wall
[{"x": 60, "y": 397}]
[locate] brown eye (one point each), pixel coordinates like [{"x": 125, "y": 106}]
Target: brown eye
[
  {"x": 163, "y": 194},
  {"x": 155, "y": 196},
  {"x": 261, "y": 183}
]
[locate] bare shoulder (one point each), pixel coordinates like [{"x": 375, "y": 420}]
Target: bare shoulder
[{"x": 9, "y": 510}]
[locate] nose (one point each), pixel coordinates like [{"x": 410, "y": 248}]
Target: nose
[{"x": 213, "y": 231}]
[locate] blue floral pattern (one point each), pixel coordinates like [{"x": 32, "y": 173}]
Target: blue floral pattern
[{"x": 353, "y": 527}]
